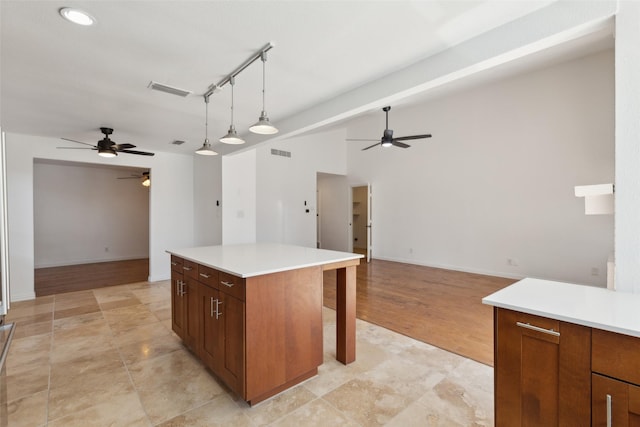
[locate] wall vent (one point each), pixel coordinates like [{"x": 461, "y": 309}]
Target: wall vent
[
  {"x": 178, "y": 142},
  {"x": 280, "y": 153},
  {"x": 168, "y": 89}
]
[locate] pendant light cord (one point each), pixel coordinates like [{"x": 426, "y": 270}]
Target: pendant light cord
[
  {"x": 206, "y": 118},
  {"x": 264, "y": 60},
  {"x": 232, "y": 81}
]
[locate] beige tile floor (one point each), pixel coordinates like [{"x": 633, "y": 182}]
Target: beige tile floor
[{"x": 107, "y": 357}]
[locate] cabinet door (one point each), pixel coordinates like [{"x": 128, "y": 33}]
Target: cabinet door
[
  {"x": 231, "y": 364},
  {"x": 542, "y": 371},
  {"x": 211, "y": 337},
  {"x": 177, "y": 303},
  {"x": 614, "y": 403},
  {"x": 191, "y": 335}
]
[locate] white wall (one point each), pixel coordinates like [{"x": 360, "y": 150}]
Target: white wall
[
  {"x": 171, "y": 204},
  {"x": 207, "y": 200},
  {"x": 84, "y": 213},
  {"x": 239, "y": 198},
  {"x": 496, "y": 180},
  {"x": 333, "y": 212},
  {"x": 627, "y": 200},
  {"x": 284, "y": 184}
]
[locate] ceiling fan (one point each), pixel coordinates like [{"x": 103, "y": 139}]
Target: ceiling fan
[
  {"x": 106, "y": 147},
  {"x": 144, "y": 176},
  {"x": 388, "y": 140}
]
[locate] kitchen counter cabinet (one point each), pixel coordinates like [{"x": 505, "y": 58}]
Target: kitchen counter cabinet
[
  {"x": 542, "y": 371},
  {"x": 565, "y": 355},
  {"x": 258, "y": 312}
]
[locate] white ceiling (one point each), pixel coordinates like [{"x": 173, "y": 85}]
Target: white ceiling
[{"x": 63, "y": 80}]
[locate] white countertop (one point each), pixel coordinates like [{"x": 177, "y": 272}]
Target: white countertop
[
  {"x": 256, "y": 259},
  {"x": 584, "y": 305}
]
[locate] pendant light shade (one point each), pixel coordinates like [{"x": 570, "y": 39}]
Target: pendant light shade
[
  {"x": 263, "y": 126},
  {"x": 206, "y": 149},
  {"x": 232, "y": 136}
]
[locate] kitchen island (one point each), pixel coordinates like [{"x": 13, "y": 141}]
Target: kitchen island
[
  {"x": 253, "y": 312},
  {"x": 565, "y": 354}
]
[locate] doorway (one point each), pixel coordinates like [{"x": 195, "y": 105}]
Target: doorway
[
  {"x": 91, "y": 226},
  {"x": 361, "y": 220}
]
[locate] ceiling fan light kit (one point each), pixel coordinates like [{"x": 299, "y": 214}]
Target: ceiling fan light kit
[
  {"x": 77, "y": 16},
  {"x": 388, "y": 140},
  {"x": 106, "y": 147}
]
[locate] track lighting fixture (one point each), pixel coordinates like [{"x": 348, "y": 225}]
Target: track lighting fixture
[
  {"x": 232, "y": 136},
  {"x": 263, "y": 126},
  {"x": 206, "y": 149}
]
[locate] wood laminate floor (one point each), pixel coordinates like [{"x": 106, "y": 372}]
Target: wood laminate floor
[
  {"x": 79, "y": 277},
  {"x": 439, "y": 307}
]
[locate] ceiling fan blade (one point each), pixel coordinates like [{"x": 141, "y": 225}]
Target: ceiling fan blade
[
  {"x": 370, "y": 139},
  {"x": 396, "y": 143},
  {"x": 371, "y": 146},
  {"x": 406, "y": 138},
  {"x": 79, "y": 142},
  {"x": 122, "y": 146},
  {"x": 141, "y": 153},
  {"x": 78, "y": 148}
]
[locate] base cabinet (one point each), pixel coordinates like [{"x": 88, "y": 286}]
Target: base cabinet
[
  {"x": 222, "y": 347},
  {"x": 184, "y": 302},
  {"x": 259, "y": 335},
  {"x": 542, "y": 371},
  {"x": 615, "y": 395}
]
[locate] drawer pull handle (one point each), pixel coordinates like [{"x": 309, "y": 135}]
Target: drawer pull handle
[
  {"x": 206, "y": 276},
  {"x": 227, "y": 284},
  {"x": 218, "y": 314},
  {"x": 187, "y": 268},
  {"x": 609, "y": 424},
  {"x": 538, "y": 329},
  {"x": 174, "y": 263}
]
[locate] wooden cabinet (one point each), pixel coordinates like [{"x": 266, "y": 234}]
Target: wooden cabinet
[
  {"x": 542, "y": 371},
  {"x": 184, "y": 302},
  {"x": 260, "y": 335},
  {"x": 222, "y": 338},
  {"x": 615, "y": 396}
]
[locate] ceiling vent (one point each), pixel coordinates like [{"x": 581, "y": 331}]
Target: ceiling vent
[
  {"x": 280, "y": 153},
  {"x": 168, "y": 89}
]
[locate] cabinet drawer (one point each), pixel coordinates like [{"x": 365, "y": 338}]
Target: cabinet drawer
[
  {"x": 232, "y": 285},
  {"x": 176, "y": 264},
  {"x": 190, "y": 269},
  {"x": 208, "y": 276},
  {"x": 616, "y": 355}
]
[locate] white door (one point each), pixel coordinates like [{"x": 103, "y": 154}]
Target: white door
[{"x": 4, "y": 247}]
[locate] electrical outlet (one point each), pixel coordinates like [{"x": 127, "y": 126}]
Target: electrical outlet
[
  {"x": 595, "y": 271},
  {"x": 512, "y": 262},
  {"x": 106, "y": 249},
  {"x": 410, "y": 250}
]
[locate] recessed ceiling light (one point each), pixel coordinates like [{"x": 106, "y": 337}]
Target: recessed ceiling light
[{"x": 77, "y": 16}]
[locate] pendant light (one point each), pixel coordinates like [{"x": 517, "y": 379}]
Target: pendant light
[
  {"x": 206, "y": 149},
  {"x": 263, "y": 126},
  {"x": 232, "y": 137}
]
